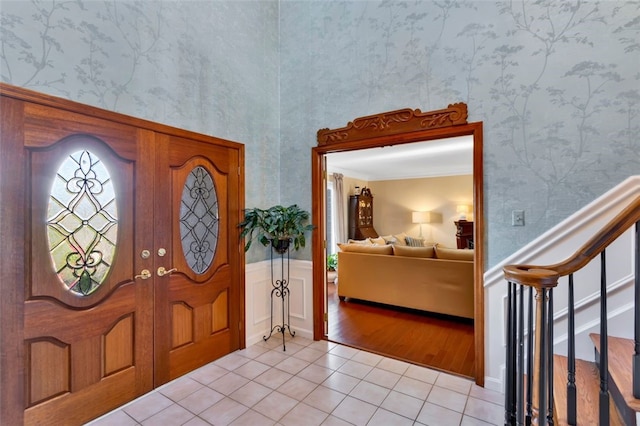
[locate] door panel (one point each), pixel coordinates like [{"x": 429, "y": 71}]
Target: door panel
[
  {"x": 80, "y": 347},
  {"x": 199, "y": 302}
]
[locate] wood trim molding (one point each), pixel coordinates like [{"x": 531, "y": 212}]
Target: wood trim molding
[
  {"x": 27, "y": 95},
  {"x": 393, "y": 123},
  {"x": 547, "y": 276}
]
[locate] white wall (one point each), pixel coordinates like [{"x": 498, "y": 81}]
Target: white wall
[
  {"x": 394, "y": 200},
  {"x": 552, "y": 247}
]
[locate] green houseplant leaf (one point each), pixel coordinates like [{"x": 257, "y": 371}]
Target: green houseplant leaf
[
  {"x": 332, "y": 262},
  {"x": 275, "y": 223}
]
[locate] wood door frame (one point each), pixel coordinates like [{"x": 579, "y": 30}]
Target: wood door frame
[
  {"x": 14, "y": 248},
  {"x": 394, "y": 128}
]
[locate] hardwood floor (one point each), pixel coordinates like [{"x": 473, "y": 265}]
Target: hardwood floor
[{"x": 436, "y": 341}]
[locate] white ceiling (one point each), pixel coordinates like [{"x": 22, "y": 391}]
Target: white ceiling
[{"x": 442, "y": 157}]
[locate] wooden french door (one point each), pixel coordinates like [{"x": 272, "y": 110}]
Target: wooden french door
[
  {"x": 87, "y": 340},
  {"x": 198, "y": 314},
  {"x": 109, "y": 202}
]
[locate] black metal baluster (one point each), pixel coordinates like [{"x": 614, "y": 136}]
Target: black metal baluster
[
  {"x": 571, "y": 360},
  {"x": 529, "y": 410},
  {"x": 520, "y": 395},
  {"x": 509, "y": 400},
  {"x": 604, "y": 361},
  {"x": 636, "y": 355},
  {"x": 550, "y": 360}
]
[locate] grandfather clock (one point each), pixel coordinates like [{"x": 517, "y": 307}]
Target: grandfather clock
[{"x": 361, "y": 216}]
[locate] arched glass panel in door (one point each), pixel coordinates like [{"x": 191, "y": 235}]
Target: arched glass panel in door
[
  {"x": 82, "y": 222},
  {"x": 199, "y": 220}
]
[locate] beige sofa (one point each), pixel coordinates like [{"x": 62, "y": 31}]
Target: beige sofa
[{"x": 431, "y": 279}]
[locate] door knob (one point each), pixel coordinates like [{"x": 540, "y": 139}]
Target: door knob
[
  {"x": 162, "y": 271},
  {"x": 144, "y": 274}
]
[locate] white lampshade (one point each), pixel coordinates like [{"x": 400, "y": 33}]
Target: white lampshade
[
  {"x": 425, "y": 217},
  {"x": 463, "y": 209},
  {"x": 421, "y": 217}
]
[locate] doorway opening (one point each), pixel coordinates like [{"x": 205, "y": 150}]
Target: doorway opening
[
  {"x": 402, "y": 127},
  {"x": 416, "y": 189}
]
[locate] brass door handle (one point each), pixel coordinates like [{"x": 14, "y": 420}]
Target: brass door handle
[
  {"x": 144, "y": 274},
  {"x": 162, "y": 271}
]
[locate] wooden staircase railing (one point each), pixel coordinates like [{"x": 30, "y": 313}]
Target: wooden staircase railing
[{"x": 529, "y": 387}]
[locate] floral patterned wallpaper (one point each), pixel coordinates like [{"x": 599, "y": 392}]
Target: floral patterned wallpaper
[
  {"x": 555, "y": 83},
  {"x": 207, "y": 66}
]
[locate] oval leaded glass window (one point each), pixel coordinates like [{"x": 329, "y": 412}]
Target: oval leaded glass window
[
  {"x": 82, "y": 222},
  {"x": 199, "y": 220}
]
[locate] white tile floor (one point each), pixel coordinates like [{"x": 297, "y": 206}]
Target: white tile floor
[{"x": 312, "y": 383}]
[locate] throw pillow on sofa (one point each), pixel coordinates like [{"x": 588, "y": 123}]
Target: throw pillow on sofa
[
  {"x": 369, "y": 249},
  {"x": 365, "y": 241},
  {"x": 400, "y": 239},
  {"x": 407, "y": 251},
  {"x": 414, "y": 242},
  {"x": 389, "y": 239},
  {"x": 378, "y": 241}
]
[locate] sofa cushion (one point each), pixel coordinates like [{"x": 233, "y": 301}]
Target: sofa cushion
[
  {"x": 414, "y": 242},
  {"x": 366, "y": 248},
  {"x": 414, "y": 251},
  {"x": 453, "y": 254}
]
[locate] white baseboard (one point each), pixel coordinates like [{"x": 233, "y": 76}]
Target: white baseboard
[
  {"x": 493, "y": 384},
  {"x": 305, "y": 334}
]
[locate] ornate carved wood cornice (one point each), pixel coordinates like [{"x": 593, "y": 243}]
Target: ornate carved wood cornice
[{"x": 394, "y": 122}]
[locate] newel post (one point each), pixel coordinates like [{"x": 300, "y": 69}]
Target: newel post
[
  {"x": 636, "y": 329},
  {"x": 543, "y": 357},
  {"x": 543, "y": 281}
]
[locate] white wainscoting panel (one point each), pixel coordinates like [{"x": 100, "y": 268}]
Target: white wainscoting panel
[{"x": 258, "y": 289}]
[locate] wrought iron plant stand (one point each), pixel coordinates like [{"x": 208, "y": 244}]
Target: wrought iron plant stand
[{"x": 280, "y": 289}]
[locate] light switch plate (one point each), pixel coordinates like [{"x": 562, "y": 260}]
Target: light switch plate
[{"x": 517, "y": 218}]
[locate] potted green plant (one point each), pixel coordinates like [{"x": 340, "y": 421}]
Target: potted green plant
[
  {"x": 332, "y": 262},
  {"x": 332, "y": 267},
  {"x": 277, "y": 225}
]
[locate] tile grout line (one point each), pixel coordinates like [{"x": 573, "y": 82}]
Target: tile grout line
[{"x": 360, "y": 365}]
